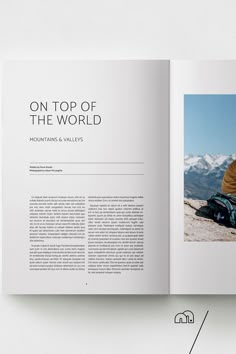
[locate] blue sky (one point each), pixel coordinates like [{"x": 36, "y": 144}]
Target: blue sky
[{"x": 209, "y": 124}]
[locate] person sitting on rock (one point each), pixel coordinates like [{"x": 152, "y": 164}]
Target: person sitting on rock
[{"x": 229, "y": 179}]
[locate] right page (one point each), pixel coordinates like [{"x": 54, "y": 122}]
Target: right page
[{"x": 202, "y": 177}]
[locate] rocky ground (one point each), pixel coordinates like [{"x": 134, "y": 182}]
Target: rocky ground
[{"x": 199, "y": 226}]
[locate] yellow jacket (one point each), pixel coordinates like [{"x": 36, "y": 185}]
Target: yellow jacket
[{"x": 229, "y": 180}]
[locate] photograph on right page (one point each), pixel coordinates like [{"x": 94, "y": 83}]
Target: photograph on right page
[{"x": 209, "y": 167}]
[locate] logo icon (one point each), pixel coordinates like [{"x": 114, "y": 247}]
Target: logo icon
[{"x": 185, "y": 317}]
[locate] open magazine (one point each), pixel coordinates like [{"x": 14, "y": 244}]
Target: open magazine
[{"x": 119, "y": 177}]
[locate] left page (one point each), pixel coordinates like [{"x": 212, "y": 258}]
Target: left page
[{"x": 85, "y": 177}]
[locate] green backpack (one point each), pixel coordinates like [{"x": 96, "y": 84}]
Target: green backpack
[{"x": 223, "y": 208}]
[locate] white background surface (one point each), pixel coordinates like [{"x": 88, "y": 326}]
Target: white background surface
[{"x": 120, "y": 30}]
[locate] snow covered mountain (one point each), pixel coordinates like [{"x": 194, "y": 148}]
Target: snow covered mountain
[{"x": 203, "y": 174}]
